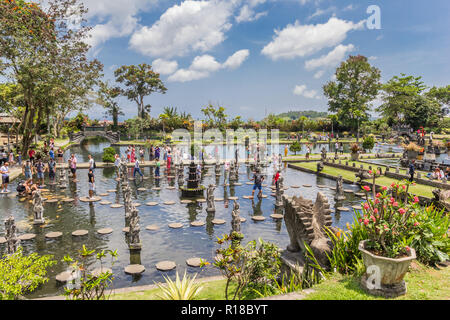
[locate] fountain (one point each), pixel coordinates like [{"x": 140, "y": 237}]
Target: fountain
[{"x": 193, "y": 189}]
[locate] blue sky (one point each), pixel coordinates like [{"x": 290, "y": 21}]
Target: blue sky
[{"x": 256, "y": 57}]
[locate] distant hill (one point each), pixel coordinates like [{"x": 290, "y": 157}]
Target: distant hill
[{"x": 297, "y": 114}]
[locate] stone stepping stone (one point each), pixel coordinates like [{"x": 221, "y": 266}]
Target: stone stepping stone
[
  {"x": 264, "y": 196},
  {"x": 321, "y": 186},
  {"x": 53, "y": 235},
  {"x": 6, "y": 192},
  {"x": 2, "y": 240},
  {"x": 307, "y": 185},
  {"x": 105, "y": 231},
  {"x": 52, "y": 200},
  {"x": 116, "y": 205},
  {"x": 98, "y": 271},
  {"x": 343, "y": 209},
  {"x": 93, "y": 199},
  {"x": 360, "y": 194},
  {"x": 171, "y": 177},
  {"x": 247, "y": 197},
  {"x": 22, "y": 199},
  {"x": 136, "y": 204},
  {"x": 168, "y": 203},
  {"x": 152, "y": 227},
  {"x": 276, "y": 216},
  {"x": 79, "y": 233},
  {"x": 233, "y": 198},
  {"x": 295, "y": 187},
  {"x": 67, "y": 199},
  {"x": 170, "y": 188},
  {"x": 27, "y": 236},
  {"x": 357, "y": 207},
  {"x": 193, "y": 262},
  {"x": 134, "y": 269},
  {"x": 126, "y": 229},
  {"x": 141, "y": 189},
  {"x": 218, "y": 221},
  {"x": 175, "y": 225},
  {"x": 105, "y": 202},
  {"x": 186, "y": 201},
  {"x": 131, "y": 179},
  {"x": 111, "y": 190},
  {"x": 237, "y": 184},
  {"x": 243, "y": 220},
  {"x": 258, "y": 218},
  {"x": 103, "y": 194},
  {"x": 349, "y": 191},
  {"x": 197, "y": 223},
  {"x": 219, "y": 199},
  {"x": 64, "y": 276},
  {"x": 332, "y": 188},
  {"x": 166, "y": 265},
  {"x": 156, "y": 188},
  {"x": 249, "y": 183},
  {"x": 201, "y": 200},
  {"x": 151, "y": 204}
]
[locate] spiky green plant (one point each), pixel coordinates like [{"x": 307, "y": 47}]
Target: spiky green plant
[{"x": 184, "y": 289}]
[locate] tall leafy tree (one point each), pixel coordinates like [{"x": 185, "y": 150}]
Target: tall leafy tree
[
  {"x": 350, "y": 95},
  {"x": 106, "y": 98},
  {"x": 215, "y": 116},
  {"x": 139, "y": 81}
]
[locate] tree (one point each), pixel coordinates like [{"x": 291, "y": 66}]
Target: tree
[
  {"x": 140, "y": 81},
  {"x": 295, "y": 147},
  {"x": 216, "y": 117},
  {"x": 106, "y": 95},
  {"x": 442, "y": 96},
  {"x": 357, "y": 84}
]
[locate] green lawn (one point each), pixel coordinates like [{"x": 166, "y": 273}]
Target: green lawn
[
  {"x": 423, "y": 283},
  {"x": 418, "y": 189}
]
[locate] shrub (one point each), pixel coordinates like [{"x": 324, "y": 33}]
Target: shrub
[
  {"x": 108, "y": 155},
  {"x": 369, "y": 142},
  {"x": 185, "y": 289},
  {"x": 295, "y": 147}
]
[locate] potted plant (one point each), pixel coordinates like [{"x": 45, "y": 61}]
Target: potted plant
[
  {"x": 389, "y": 219},
  {"x": 412, "y": 149},
  {"x": 354, "y": 148}
]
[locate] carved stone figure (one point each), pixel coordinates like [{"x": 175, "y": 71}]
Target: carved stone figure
[
  {"x": 362, "y": 175},
  {"x": 38, "y": 208},
  {"x": 211, "y": 207},
  {"x": 62, "y": 179},
  {"x": 12, "y": 241},
  {"x": 305, "y": 222},
  {"x": 279, "y": 191},
  {"x": 319, "y": 166},
  {"x": 323, "y": 155},
  {"x": 441, "y": 198},
  {"x": 235, "y": 218},
  {"x": 134, "y": 229},
  {"x": 127, "y": 202},
  {"x": 339, "y": 189}
]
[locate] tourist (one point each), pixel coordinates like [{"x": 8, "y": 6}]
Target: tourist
[
  {"x": 31, "y": 154},
  {"x": 158, "y": 165},
  {"x": 4, "y": 170},
  {"x": 51, "y": 169},
  {"x": 133, "y": 155},
  {"x": 157, "y": 152},
  {"x": 27, "y": 170},
  {"x": 60, "y": 155},
  {"x": 117, "y": 164},
  {"x": 91, "y": 183},
  {"x": 91, "y": 163},
  {"x": 151, "y": 153},
  {"x": 128, "y": 153},
  {"x": 3, "y": 157},
  {"x": 73, "y": 166},
  {"x": 341, "y": 148},
  {"x": 441, "y": 174},
  {"x": 258, "y": 179},
  {"x": 137, "y": 169},
  {"x": 276, "y": 178},
  {"x": 308, "y": 151},
  {"x": 11, "y": 158},
  {"x": 285, "y": 150},
  {"x": 141, "y": 154},
  {"x": 40, "y": 169},
  {"x": 411, "y": 170},
  {"x": 169, "y": 160},
  {"x": 199, "y": 171}
]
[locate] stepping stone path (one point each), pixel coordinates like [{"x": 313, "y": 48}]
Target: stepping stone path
[
  {"x": 175, "y": 225},
  {"x": 105, "y": 231},
  {"x": 116, "y": 205},
  {"x": 136, "y": 204},
  {"x": 64, "y": 276},
  {"x": 2, "y": 240},
  {"x": 307, "y": 185},
  {"x": 343, "y": 209},
  {"x": 186, "y": 201},
  {"x": 53, "y": 235},
  {"x": 27, "y": 236},
  {"x": 152, "y": 227},
  {"x": 93, "y": 199},
  {"x": 79, "y": 233},
  {"x": 166, "y": 265},
  {"x": 170, "y": 188},
  {"x": 134, "y": 269},
  {"x": 168, "y": 203},
  {"x": 276, "y": 216},
  {"x": 247, "y": 197},
  {"x": 218, "y": 221},
  {"x": 243, "y": 220},
  {"x": 105, "y": 202},
  {"x": 193, "y": 262},
  {"x": 52, "y": 200},
  {"x": 321, "y": 186},
  {"x": 249, "y": 183},
  {"x": 111, "y": 190},
  {"x": 233, "y": 198},
  {"x": 103, "y": 194},
  {"x": 156, "y": 188},
  {"x": 349, "y": 191},
  {"x": 201, "y": 200},
  {"x": 197, "y": 223},
  {"x": 360, "y": 194},
  {"x": 239, "y": 184},
  {"x": 96, "y": 272},
  {"x": 151, "y": 204},
  {"x": 219, "y": 199},
  {"x": 67, "y": 199},
  {"x": 357, "y": 207},
  {"x": 258, "y": 218},
  {"x": 264, "y": 196},
  {"x": 295, "y": 187},
  {"x": 141, "y": 189}
]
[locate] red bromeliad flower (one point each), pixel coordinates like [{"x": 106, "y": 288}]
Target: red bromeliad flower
[
  {"x": 395, "y": 204},
  {"x": 378, "y": 195},
  {"x": 384, "y": 188},
  {"x": 366, "y": 206},
  {"x": 373, "y": 218},
  {"x": 367, "y": 188},
  {"x": 416, "y": 199},
  {"x": 366, "y": 222},
  {"x": 401, "y": 211}
]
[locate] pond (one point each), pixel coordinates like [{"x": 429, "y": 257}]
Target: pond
[{"x": 164, "y": 244}]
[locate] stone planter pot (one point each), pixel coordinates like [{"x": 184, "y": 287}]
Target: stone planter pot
[
  {"x": 355, "y": 156},
  {"x": 390, "y": 273},
  {"x": 412, "y": 154}
]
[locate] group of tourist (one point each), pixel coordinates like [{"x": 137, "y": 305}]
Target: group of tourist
[{"x": 439, "y": 174}]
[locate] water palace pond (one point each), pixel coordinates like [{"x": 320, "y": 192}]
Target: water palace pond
[{"x": 165, "y": 243}]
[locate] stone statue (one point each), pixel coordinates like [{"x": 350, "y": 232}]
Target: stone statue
[
  {"x": 38, "y": 208},
  {"x": 339, "y": 189},
  {"x": 441, "y": 199},
  {"x": 319, "y": 166},
  {"x": 12, "y": 241},
  {"x": 323, "y": 155},
  {"x": 62, "y": 179},
  {"x": 305, "y": 222},
  {"x": 134, "y": 229},
  {"x": 232, "y": 172},
  {"x": 362, "y": 175},
  {"x": 279, "y": 191},
  {"x": 217, "y": 168},
  {"x": 127, "y": 202},
  {"x": 235, "y": 218},
  {"x": 211, "y": 207}
]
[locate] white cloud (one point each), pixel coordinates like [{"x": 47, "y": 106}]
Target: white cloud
[
  {"x": 247, "y": 12},
  {"x": 320, "y": 12},
  {"x": 319, "y": 74},
  {"x": 188, "y": 27},
  {"x": 349, "y": 8},
  {"x": 303, "y": 40},
  {"x": 202, "y": 66},
  {"x": 164, "y": 66},
  {"x": 301, "y": 90},
  {"x": 332, "y": 59}
]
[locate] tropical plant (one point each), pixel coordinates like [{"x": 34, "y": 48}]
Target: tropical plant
[
  {"x": 412, "y": 147},
  {"x": 85, "y": 285},
  {"x": 184, "y": 289},
  {"x": 295, "y": 147},
  {"x": 20, "y": 274},
  {"x": 354, "y": 147},
  {"x": 368, "y": 142},
  {"x": 109, "y": 155}
]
